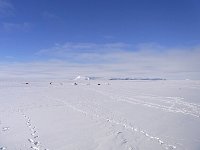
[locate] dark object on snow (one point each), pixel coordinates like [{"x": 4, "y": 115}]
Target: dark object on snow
[
  {"x": 26, "y": 83},
  {"x": 50, "y": 82},
  {"x": 99, "y": 84},
  {"x": 75, "y": 83}
]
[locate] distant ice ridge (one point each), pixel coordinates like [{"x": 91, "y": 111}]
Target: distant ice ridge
[
  {"x": 114, "y": 78},
  {"x": 128, "y": 78}
]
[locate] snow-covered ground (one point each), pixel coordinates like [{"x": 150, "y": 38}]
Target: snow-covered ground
[{"x": 100, "y": 115}]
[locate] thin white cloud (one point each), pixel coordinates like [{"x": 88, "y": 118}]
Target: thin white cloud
[
  {"x": 63, "y": 50},
  {"x": 50, "y": 69},
  {"x": 9, "y": 57},
  {"x": 6, "y": 8},
  {"x": 9, "y": 26},
  {"x": 84, "y": 52},
  {"x": 124, "y": 59},
  {"x": 112, "y": 60}
]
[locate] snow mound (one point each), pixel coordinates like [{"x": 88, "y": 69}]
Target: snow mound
[{"x": 82, "y": 78}]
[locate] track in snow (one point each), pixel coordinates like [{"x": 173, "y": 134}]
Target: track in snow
[
  {"x": 169, "y": 104},
  {"x": 131, "y": 128}
]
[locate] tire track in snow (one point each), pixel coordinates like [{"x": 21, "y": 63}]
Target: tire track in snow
[
  {"x": 128, "y": 127},
  {"x": 190, "y": 108},
  {"x": 90, "y": 115}
]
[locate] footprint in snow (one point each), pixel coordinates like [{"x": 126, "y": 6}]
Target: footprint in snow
[
  {"x": 2, "y": 148},
  {"x": 34, "y": 142},
  {"x": 35, "y": 136},
  {"x": 35, "y": 148},
  {"x": 119, "y": 132},
  {"x": 5, "y": 129},
  {"x": 31, "y": 140}
]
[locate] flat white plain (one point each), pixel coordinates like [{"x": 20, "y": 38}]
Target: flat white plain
[{"x": 99, "y": 115}]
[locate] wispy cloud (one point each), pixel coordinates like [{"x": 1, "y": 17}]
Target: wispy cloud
[
  {"x": 146, "y": 60},
  {"x": 84, "y": 52},
  {"x": 9, "y": 57},
  {"x": 6, "y": 8},
  {"x": 50, "y": 69},
  {"x": 87, "y": 53},
  {"x": 110, "y": 60},
  {"x": 84, "y": 47},
  {"x": 9, "y": 26}
]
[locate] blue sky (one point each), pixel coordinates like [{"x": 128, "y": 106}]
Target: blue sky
[
  {"x": 93, "y": 31},
  {"x": 28, "y": 26}
]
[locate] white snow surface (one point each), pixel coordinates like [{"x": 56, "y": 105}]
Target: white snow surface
[
  {"x": 102, "y": 115},
  {"x": 81, "y": 78}
]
